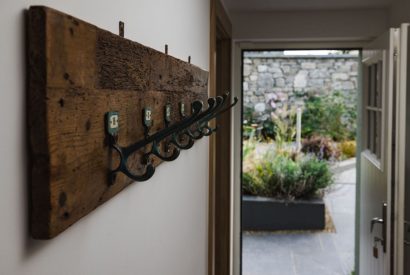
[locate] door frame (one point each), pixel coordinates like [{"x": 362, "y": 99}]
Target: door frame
[
  {"x": 219, "y": 212},
  {"x": 238, "y": 47}
]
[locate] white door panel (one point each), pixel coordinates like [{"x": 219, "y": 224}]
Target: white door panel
[
  {"x": 377, "y": 146},
  {"x": 373, "y": 194},
  {"x": 402, "y": 195}
]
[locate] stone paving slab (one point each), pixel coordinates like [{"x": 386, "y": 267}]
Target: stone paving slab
[{"x": 308, "y": 253}]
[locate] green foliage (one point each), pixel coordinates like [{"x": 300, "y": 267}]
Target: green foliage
[
  {"x": 284, "y": 179},
  {"x": 281, "y": 126},
  {"x": 329, "y": 116},
  {"x": 248, "y": 132},
  {"x": 260, "y": 130},
  {"x": 249, "y": 186},
  {"x": 316, "y": 175},
  {"x": 321, "y": 147},
  {"x": 348, "y": 148},
  {"x": 248, "y": 115},
  {"x": 312, "y": 116},
  {"x": 248, "y": 146},
  {"x": 286, "y": 176},
  {"x": 248, "y": 123},
  {"x": 284, "y": 121},
  {"x": 268, "y": 130}
]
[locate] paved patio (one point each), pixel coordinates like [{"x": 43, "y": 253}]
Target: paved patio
[{"x": 309, "y": 253}]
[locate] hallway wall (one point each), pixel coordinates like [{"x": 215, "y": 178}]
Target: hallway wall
[
  {"x": 309, "y": 25},
  {"x": 399, "y": 13},
  {"x": 151, "y": 228}
]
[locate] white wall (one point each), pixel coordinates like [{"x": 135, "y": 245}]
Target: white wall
[
  {"x": 155, "y": 227},
  {"x": 309, "y": 25},
  {"x": 399, "y": 12}
]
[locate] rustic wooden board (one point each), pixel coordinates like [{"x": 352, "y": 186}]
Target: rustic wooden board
[{"x": 77, "y": 73}]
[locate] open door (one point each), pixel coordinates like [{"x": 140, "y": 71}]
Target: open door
[
  {"x": 402, "y": 233},
  {"x": 377, "y": 154}
]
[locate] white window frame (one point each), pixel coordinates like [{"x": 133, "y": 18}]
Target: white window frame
[{"x": 374, "y": 58}]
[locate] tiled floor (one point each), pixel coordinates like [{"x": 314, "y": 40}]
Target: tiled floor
[{"x": 308, "y": 253}]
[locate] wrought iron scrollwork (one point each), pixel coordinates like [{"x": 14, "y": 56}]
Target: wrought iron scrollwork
[{"x": 174, "y": 137}]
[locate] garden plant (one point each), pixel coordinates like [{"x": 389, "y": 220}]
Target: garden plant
[{"x": 328, "y": 131}]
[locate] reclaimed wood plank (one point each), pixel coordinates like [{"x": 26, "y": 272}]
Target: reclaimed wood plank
[{"x": 77, "y": 73}]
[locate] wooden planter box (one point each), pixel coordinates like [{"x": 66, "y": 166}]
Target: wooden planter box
[{"x": 261, "y": 213}]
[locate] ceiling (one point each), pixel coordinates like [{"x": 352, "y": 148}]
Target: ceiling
[{"x": 298, "y": 5}]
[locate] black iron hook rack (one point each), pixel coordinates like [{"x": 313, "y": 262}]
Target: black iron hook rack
[
  {"x": 73, "y": 147},
  {"x": 180, "y": 135}
]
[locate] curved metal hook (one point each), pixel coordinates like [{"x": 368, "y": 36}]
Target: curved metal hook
[
  {"x": 222, "y": 110},
  {"x": 213, "y": 104},
  {"x": 123, "y": 168},
  {"x": 156, "y": 151},
  {"x": 219, "y": 112},
  {"x": 194, "y": 136},
  {"x": 222, "y": 101},
  {"x": 198, "y": 132},
  {"x": 235, "y": 100},
  {"x": 188, "y": 145},
  {"x": 125, "y": 152},
  {"x": 149, "y": 172},
  {"x": 160, "y": 135},
  {"x": 209, "y": 131},
  {"x": 204, "y": 129},
  {"x": 216, "y": 106}
]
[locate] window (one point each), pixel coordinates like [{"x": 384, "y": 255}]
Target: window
[{"x": 374, "y": 110}]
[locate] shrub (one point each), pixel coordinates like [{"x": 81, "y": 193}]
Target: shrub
[
  {"x": 281, "y": 176},
  {"x": 284, "y": 124},
  {"x": 312, "y": 116},
  {"x": 348, "y": 148},
  {"x": 321, "y": 147},
  {"x": 284, "y": 181},
  {"x": 248, "y": 147},
  {"x": 316, "y": 176},
  {"x": 329, "y": 116},
  {"x": 247, "y": 131},
  {"x": 249, "y": 186},
  {"x": 248, "y": 116},
  {"x": 268, "y": 130}
]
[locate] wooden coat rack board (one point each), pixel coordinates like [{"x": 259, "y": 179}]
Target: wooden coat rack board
[{"x": 78, "y": 73}]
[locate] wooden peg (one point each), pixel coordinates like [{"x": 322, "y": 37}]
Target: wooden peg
[
  {"x": 189, "y": 59},
  {"x": 166, "y": 48}
]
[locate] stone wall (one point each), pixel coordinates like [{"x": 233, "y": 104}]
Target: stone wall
[{"x": 271, "y": 81}]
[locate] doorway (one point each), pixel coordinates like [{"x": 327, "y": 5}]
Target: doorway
[{"x": 295, "y": 104}]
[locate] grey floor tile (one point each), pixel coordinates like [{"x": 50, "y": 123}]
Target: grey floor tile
[{"x": 308, "y": 253}]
